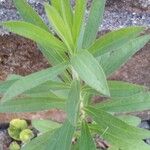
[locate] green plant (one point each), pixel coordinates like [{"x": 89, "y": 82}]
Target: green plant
[
  {"x": 14, "y": 146},
  {"x": 18, "y": 130},
  {"x": 81, "y": 65}
]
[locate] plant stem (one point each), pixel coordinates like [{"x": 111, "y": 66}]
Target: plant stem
[
  {"x": 81, "y": 108},
  {"x": 74, "y": 74}
]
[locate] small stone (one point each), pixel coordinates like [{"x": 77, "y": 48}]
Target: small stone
[
  {"x": 145, "y": 125},
  {"x": 5, "y": 140}
]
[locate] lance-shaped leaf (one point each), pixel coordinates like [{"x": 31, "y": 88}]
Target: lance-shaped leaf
[
  {"x": 94, "y": 20},
  {"x": 45, "y": 125},
  {"x": 59, "y": 25},
  {"x": 28, "y": 14},
  {"x": 40, "y": 142},
  {"x": 131, "y": 120},
  {"x": 73, "y": 102},
  {"x": 66, "y": 11},
  {"x": 31, "y": 104},
  {"x": 118, "y": 132},
  {"x": 5, "y": 85},
  {"x": 51, "y": 46},
  {"x": 90, "y": 71},
  {"x": 57, "y": 5},
  {"x": 118, "y": 89},
  {"x": 124, "y": 89},
  {"x": 47, "y": 87},
  {"x": 112, "y": 61},
  {"x": 137, "y": 102},
  {"x": 33, "y": 80},
  {"x": 86, "y": 140},
  {"x": 113, "y": 124},
  {"x": 78, "y": 18},
  {"x": 60, "y": 139},
  {"x": 114, "y": 40}
]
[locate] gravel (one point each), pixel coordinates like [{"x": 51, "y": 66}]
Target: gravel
[
  {"x": 114, "y": 17},
  {"x": 5, "y": 140}
]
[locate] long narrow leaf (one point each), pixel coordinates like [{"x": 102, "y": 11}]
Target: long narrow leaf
[
  {"x": 114, "y": 40},
  {"x": 124, "y": 89},
  {"x": 112, "y": 61},
  {"x": 40, "y": 142},
  {"x": 118, "y": 89},
  {"x": 5, "y": 85},
  {"x": 52, "y": 47},
  {"x": 45, "y": 125},
  {"x": 33, "y": 104},
  {"x": 104, "y": 119},
  {"x": 138, "y": 102},
  {"x": 32, "y": 81},
  {"x": 60, "y": 139},
  {"x": 95, "y": 19},
  {"x": 59, "y": 25},
  {"x": 90, "y": 71},
  {"x": 28, "y": 14},
  {"x": 57, "y": 5},
  {"x": 86, "y": 140},
  {"x": 78, "y": 18},
  {"x": 131, "y": 120},
  {"x": 73, "y": 102},
  {"x": 66, "y": 11},
  {"x": 118, "y": 132},
  {"x": 48, "y": 86}
]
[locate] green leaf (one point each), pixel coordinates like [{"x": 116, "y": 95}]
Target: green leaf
[
  {"x": 45, "y": 87},
  {"x": 13, "y": 77},
  {"x": 48, "y": 86},
  {"x": 90, "y": 71},
  {"x": 118, "y": 132},
  {"x": 78, "y": 18},
  {"x": 56, "y": 4},
  {"x": 137, "y": 102},
  {"x": 75, "y": 146},
  {"x": 73, "y": 102},
  {"x": 66, "y": 12},
  {"x": 114, "y": 40},
  {"x": 31, "y": 104},
  {"x": 118, "y": 89},
  {"x": 131, "y": 120},
  {"x": 60, "y": 139},
  {"x": 113, "y": 148},
  {"x": 86, "y": 140},
  {"x": 106, "y": 120},
  {"x": 52, "y": 48},
  {"x": 63, "y": 137},
  {"x": 28, "y": 14},
  {"x": 61, "y": 93},
  {"x": 120, "y": 56},
  {"x": 95, "y": 18},
  {"x": 5, "y": 85},
  {"x": 33, "y": 80},
  {"x": 124, "y": 89},
  {"x": 40, "y": 142},
  {"x": 59, "y": 25},
  {"x": 45, "y": 125}
]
